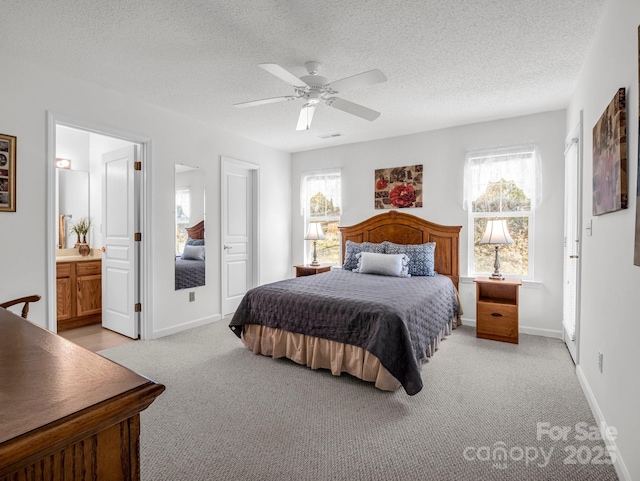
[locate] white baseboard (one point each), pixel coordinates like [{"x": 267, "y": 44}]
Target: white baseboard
[
  {"x": 534, "y": 331},
  {"x": 466, "y": 321},
  {"x": 621, "y": 468},
  {"x": 186, "y": 325}
]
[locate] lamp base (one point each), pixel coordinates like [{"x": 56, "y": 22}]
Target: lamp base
[
  {"x": 496, "y": 276},
  {"x": 315, "y": 256}
]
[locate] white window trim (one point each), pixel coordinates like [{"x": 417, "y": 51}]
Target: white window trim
[
  {"x": 304, "y": 204},
  {"x": 182, "y": 190},
  {"x": 535, "y": 200}
]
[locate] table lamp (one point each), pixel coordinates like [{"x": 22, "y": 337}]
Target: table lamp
[
  {"x": 496, "y": 234},
  {"x": 314, "y": 233}
]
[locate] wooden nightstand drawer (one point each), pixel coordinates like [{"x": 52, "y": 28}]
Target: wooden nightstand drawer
[{"x": 497, "y": 321}]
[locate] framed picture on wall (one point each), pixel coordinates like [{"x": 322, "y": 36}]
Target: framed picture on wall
[
  {"x": 7, "y": 173},
  {"x": 636, "y": 255},
  {"x": 610, "y": 158},
  {"x": 398, "y": 187}
]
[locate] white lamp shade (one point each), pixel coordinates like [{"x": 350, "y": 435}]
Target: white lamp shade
[
  {"x": 314, "y": 232},
  {"x": 496, "y": 233}
]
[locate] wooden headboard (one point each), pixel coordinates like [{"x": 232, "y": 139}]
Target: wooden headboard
[
  {"x": 197, "y": 231},
  {"x": 401, "y": 228}
]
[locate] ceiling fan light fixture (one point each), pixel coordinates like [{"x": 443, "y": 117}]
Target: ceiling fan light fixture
[
  {"x": 313, "y": 97},
  {"x": 313, "y": 88}
]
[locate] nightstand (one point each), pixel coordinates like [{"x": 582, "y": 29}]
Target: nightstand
[
  {"x": 497, "y": 309},
  {"x": 309, "y": 270}
]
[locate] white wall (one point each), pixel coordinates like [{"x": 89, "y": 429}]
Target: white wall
[
  {"x": 33, "y": 91},
  {"x": 442, "y": 153},
  {"x": 609, "y": 299}
]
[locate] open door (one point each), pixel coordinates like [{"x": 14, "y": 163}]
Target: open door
[{"x": 120, "y": 273}]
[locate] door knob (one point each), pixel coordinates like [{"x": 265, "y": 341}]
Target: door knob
[
  {"x": 103, "y": 248},
  {"x": 227, "y": 247}
]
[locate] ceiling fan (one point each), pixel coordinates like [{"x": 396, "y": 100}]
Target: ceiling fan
[{"x": 314, "y": 88}]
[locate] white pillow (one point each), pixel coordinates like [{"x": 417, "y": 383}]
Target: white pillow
[
  {"x": 383, "y": 264},
  {"x": 193, "y": 253}
]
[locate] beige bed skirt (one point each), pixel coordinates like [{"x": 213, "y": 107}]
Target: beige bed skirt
[{"x": 319, "y": 353}]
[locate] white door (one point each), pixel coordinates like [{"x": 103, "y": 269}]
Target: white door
[
  {"x": 239, "y": 181},
  {"x": 571, "y": 268},
  {"x": 120, "y": 284}
]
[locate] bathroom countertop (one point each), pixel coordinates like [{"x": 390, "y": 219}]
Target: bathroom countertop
[{"x": 72, "y": 255}]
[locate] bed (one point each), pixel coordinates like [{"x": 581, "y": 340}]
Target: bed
[
  {"x": 378, "y": 328},
  {"x": 190, "y": 265}
]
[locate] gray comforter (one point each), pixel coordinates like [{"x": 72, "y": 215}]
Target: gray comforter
[
  {"x": 396, "y": 319},
  {"x": 189, "y": 273}
]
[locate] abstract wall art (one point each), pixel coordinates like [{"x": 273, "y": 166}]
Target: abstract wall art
[
  {"x": 636, "y": 255},
  {"x": 610, "y": 158}
]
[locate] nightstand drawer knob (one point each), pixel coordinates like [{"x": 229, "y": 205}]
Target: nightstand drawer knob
[{"x": 496, "y": 314}]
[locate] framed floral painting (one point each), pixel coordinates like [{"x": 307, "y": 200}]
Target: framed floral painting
[
  {"x": 610, "y": 158},
  {"x": 398, "y": 187}
]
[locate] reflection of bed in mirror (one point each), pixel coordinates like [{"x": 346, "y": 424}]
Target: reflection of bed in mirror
[{"x": 190, "y": 266}]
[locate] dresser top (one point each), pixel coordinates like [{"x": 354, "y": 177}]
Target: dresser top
[{"x": 45, "y": 378}]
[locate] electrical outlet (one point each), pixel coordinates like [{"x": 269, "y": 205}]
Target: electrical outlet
[
  {"x": 600, "y": 361},
  {"x": 192, "y": 296}
]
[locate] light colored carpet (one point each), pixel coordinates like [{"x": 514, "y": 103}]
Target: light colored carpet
[{"x": 228, "y": 414}]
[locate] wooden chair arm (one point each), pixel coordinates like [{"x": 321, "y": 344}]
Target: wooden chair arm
[{"x": 26, "y": 300}]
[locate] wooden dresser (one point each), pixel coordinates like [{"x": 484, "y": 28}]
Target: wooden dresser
[
  {"x": 65, "y": 412},
  {"x": 497, "y": 309},
  {"x": 78, "y": 293}
]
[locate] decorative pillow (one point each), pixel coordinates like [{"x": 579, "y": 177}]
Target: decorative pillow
[
  {"x": 421, "y": 256},
  {"x": 352, "y": 248},
  {"x": 193, "y": 253},
  {"x": 194, "y": 242},
  {"x": 382, "y": 264}
]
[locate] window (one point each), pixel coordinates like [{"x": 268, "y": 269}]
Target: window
[
  {"x": 183, "y": 212},
  {"x": 320, "y": 197},
  {"x": 502, "y": 184}
]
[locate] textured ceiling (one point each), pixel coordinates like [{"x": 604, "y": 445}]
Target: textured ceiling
[{"x": 448, "y": 62}]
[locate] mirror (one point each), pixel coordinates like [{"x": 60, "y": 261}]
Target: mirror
[
  {"x": 73, "y": 203},
  {"x": 189, "y": 227}
]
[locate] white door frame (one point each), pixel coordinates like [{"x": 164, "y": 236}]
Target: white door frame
[
  {"x": 146, "y": 264},
  {"x": 574, "y": 346},
  {"x": 255, "y": 221}
]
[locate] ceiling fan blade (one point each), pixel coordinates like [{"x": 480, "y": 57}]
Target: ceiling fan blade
[
  {"x": 359, "y": 80},
  {"x": 265, "y": 101},
  {"x": 306, "y": 115},
  {"x": 353, "y": 108},
  {"x": 282, "y": 74}
]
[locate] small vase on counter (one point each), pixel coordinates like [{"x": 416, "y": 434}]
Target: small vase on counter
[{"x": 83, "y": 247}]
